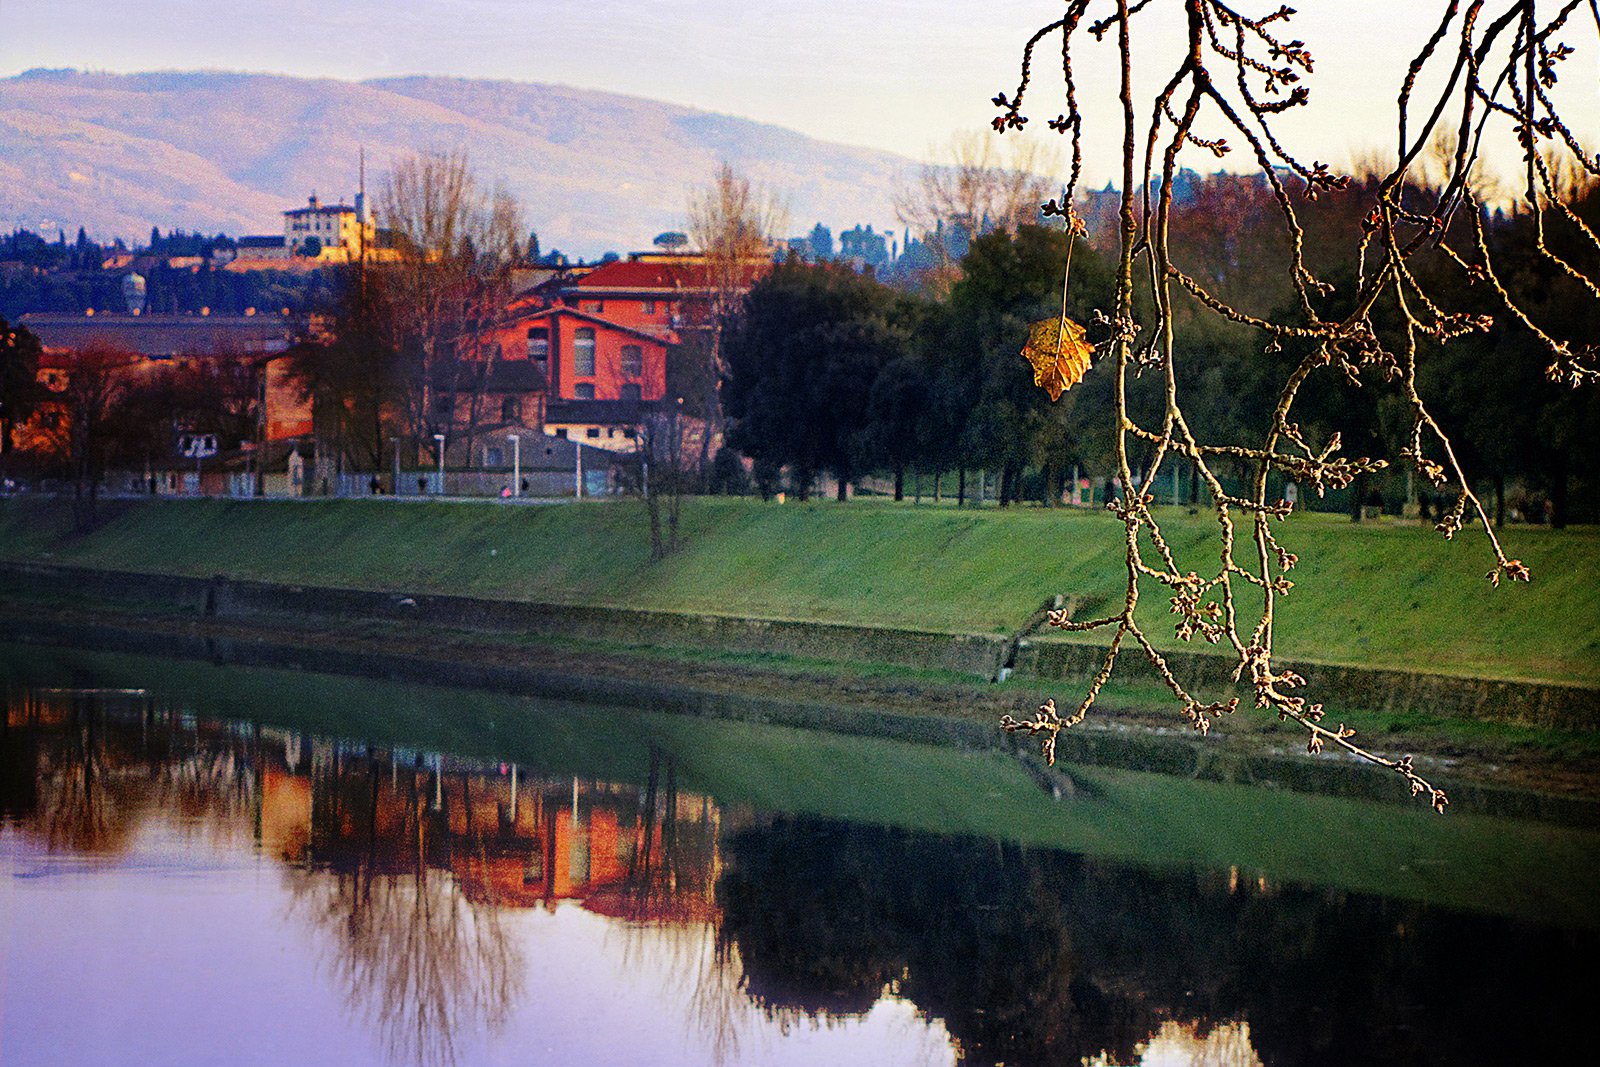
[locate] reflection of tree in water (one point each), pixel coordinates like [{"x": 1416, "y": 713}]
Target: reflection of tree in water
[
  {"x": 85, "y": 770},
  {"x": 668, "y": 899},
  {"x": 421, "y": 963},
  {"x": 1041, "y": 957}
]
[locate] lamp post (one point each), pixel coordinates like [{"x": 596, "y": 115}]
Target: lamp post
[
  {"x": 439, "y": 438},
  {"x": 516, "y": 463},
  {"x": 395, "y": 488},
  {"x": 577, "y": 470}
]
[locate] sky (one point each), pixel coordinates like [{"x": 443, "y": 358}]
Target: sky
[{"x": 901, "y": 75}]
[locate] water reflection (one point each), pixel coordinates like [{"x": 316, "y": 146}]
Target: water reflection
[
  {"x": 1049, "y": 957},
  {"x": 403, "y": 864},
  {"x": 419, "y": 880}
]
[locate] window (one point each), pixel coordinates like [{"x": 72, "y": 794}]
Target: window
[
  {"x": 583, "y": 352},
  {"x": 630, "y": 391},
  {"x": 583, "y": 391},
  {"x": 562, "y": 433},
  {"x": 649, "y": 307},
  {"x": 632, "y": 361},
  {"x": 493, "y": 456},
  {"x": 510, "y": 409},
  {"x": 442, "y": 406},
  {"x": 593, "y": 431},
  {"x": 539, "y": 342}
]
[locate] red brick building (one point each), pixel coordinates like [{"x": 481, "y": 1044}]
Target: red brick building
[
  {"x": 588, "y": 355},
  {"x": 241, "y": 355}
]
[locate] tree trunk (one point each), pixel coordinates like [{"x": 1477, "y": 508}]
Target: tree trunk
[
  {"x": 961, "y": 488},
  {"x": 899, "y": 483},
  {"x": 842, "y": 492},
  {"x": 1499, "y": 501},
  {"x": 675, "y": 484},
  {"x": 653, "y": 507},
  {"x": 1558, "y": 492},
  {"x": 1355, "y": 499},
  {"x": 938, "y": 477}
]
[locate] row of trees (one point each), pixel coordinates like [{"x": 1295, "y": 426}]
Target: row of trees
[
  {"x": 169, "y": 290},
  {"x": 828, "y": 370}
]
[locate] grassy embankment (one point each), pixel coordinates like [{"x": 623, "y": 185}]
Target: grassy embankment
[{"x": 1373, "y": 594}]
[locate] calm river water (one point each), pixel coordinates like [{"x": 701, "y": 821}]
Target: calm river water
[{"x": 217, "y": 865}]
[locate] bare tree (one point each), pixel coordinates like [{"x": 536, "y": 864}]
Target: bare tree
[
  {"x": 659, "y": 471},
  {"x": 974, "y": 186},
  {"x": 1243, "y": 73},
  {"x": 732, "y": 224},
  {"x": 96, "y": 384},
  {"x": 454, "y": 245}
]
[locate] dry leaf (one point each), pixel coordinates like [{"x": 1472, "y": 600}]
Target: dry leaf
[{"x": 1058, "y": 353}]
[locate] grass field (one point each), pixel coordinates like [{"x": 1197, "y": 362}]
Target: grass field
[{"x": 1374, "y": 594}]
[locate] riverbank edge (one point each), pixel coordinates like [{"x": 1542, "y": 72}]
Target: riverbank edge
[
  {"x": 987, "y": 657},
  {"x": 910, "y": 711}
]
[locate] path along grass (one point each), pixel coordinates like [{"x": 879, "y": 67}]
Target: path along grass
[{"x": 1377, "y": 594}]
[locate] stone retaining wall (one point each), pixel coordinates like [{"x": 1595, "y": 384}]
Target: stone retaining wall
[
  {"x": 981, "y": 656},
  {"x": 976, "y": 655},
  {"x": 1567, "y": 707},
  {"x": 1178, "y": 755}
]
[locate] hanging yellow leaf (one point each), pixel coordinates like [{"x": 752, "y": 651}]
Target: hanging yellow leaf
[{"x": 1058, "y": 353}]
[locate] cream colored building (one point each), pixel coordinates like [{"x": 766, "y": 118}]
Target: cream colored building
[{"x": 339, "y": 230}]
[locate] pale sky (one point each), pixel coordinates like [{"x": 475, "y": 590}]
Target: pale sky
[{"x": 902, "y": 75}]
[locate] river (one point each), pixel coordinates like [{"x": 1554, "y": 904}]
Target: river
[{"x": 203, "y": 864}]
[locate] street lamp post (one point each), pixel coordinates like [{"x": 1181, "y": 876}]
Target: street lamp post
[
  {"x": 395, "y": 487},
  {"x": 439, "y": 489},
  {"x": 516, "y": 463}
]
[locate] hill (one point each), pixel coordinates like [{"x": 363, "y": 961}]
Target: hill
[{"x": 217, "y": 151}]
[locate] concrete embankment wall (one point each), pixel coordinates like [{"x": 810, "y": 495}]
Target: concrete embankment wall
[
  {"x": 977, "y": 655},
  {"x": 1182, "y": 755},
  {"x": 980, "y": 656},
  {"x": 1565, "y": 707}
]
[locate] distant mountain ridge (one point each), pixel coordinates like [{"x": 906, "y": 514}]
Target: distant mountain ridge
[{"x": 221, "y": 151}]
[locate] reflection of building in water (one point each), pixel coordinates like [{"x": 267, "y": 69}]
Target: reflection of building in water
[
  {"x": 507, "y": 838},
  {"x": 91, "y": 765},
  {"x": 285, "y": 825},
  {"x": 403, "y": 863}
]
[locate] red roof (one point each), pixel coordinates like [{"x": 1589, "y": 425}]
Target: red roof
[{"x": 634, "y": 275}]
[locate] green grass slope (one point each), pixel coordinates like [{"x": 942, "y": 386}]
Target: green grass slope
[{"x": 1372, "y": 594}]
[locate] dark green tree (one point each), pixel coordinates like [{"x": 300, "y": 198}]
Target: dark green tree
[
  {"x": 1001, "y": 421},
  {"x": 802, "y": 361},
  {"x": 20, "y": 353}
]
